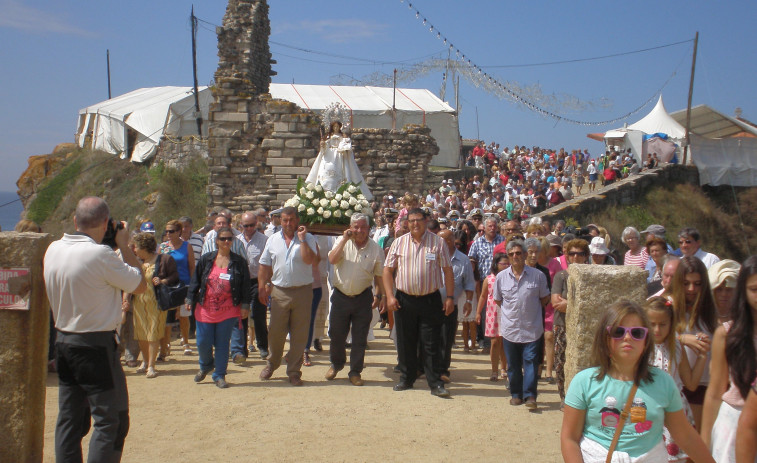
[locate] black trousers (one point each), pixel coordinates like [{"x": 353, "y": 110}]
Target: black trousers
[
  {"x": 259, "y": 314},
  {"x": 449, "y": 328},
  {"x": 91, "y": 384},
  {"x": 350, "y": 313},
  {"x": 419, "y": 318}
]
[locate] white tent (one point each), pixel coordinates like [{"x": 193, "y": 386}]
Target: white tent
[
  {"x": 371, "y": 107},
  {"x": 659, "y": 121},
  {"x": 150, "y": 113}
]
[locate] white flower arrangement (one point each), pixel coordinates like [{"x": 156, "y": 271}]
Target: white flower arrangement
[{"x": 318, "y": 206}]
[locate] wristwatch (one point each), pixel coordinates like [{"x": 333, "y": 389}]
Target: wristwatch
[
  {"x": 450, "y": 297},
  {"x": 468, "y": 301}
]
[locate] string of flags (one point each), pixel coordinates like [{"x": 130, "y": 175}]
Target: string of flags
[{"x": 491, "y": 81}]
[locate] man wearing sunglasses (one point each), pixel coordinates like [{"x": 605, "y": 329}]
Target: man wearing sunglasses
[
  {"x": 577, "y": 253},
  {"x": 522, "y": 293},
  {"x": 689, "y": 241}
]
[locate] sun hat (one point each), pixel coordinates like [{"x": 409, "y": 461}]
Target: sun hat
[{"x": 598, "y": 246}]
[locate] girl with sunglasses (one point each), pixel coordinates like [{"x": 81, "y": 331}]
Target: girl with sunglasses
[
  {"x": 184, "y": 256},
  {"x": 621, "y": 352},
  {"x": 668, "y": 356}
]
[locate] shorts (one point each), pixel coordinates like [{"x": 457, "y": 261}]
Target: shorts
[{"x": 592, "y": 178}]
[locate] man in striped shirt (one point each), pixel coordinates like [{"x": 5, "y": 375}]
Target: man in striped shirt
[{"x": 418, "y": 265}]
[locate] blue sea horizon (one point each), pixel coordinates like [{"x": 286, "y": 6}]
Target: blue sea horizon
[{"x": 10, "y": 210}]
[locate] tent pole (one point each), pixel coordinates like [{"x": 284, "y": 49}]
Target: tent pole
[
  {"x": 688, "y": 107},
  {"x": 194, "y": 71}
]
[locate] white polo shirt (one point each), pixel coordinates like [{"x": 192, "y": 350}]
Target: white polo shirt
[
  {"x": 84, "y": 281},
  {"x": 289, "y": 270}
]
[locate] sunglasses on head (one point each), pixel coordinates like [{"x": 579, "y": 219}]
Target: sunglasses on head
[{"x": 639, "y": 333}]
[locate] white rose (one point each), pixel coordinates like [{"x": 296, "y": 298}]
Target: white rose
[
  {"x": 337, "y": 213},
  {"x": 311, "y": 211},
  {"x": 364, "y": 202},
  {"x": 310, "y": 187},
  {"x": 318, "y": 188},
  {"x": 352, "y": 188},
  {"x": 360, "y": 196},
  {"x": 294, "y": 201},
  {"x": 334, "y": 203},
  {"x": 338, "y": 197},
  {"x": 353, "y": 201},
  {"x": 326, "y": 214},
  {"x": 348, "y": 213},
  {"x": 320, "y": 211},
  {"x": 344, "y": 204},
  {"x": 288, "y": 202},
  {"x": 302, "y": 191},
  {"x": 309, "y": 195},
  {"x": 329, "y": 195},
  {"x": 346, "y": 194},
  {"x": 324, "y": 202},
  {"x": 358, "y": 207},
  {"x": 300, "y": 208}
]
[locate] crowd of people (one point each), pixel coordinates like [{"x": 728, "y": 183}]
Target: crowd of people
[{"x": 425, "y": 269}]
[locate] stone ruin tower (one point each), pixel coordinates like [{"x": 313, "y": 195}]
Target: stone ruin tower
[{"x": 258, "y": 146}]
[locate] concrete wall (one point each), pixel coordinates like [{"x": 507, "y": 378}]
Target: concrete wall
[{"x": 23, "y": 352}]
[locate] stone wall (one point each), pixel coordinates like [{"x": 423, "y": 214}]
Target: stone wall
[
  {"x": 23, "y": 350},
  {"x": 591, "y": 290},
  {"x": 176, "y": 153},
  {"x": 625, "y": 192}
]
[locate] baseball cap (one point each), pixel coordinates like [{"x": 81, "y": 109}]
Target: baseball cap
[
  {"x": 147, "y": 227},
  {"x": 655, "y": 229}
]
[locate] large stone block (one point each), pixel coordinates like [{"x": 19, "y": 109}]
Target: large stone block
[
  {"x": 231, "y": 117},
  {"x": 23, "y": 348},
  {"x": 591, "y": 290}
]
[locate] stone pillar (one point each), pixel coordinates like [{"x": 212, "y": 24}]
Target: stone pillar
[
  {"x": 23, "y": 345},
  {"x": 591, "y": 290}
]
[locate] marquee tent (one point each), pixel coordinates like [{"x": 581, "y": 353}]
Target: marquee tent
[
  {"x": 371, "y": 107},
  {"x": 131, "y": 125}
]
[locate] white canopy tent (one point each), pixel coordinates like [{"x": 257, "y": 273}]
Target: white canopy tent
[
  {"x": 725, "y": 161},
  {"x": 371, "y": 107},
  {"x": 150, "y": 113}
]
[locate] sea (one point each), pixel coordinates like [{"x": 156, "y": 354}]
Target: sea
[{"x": 10, "y": 210}]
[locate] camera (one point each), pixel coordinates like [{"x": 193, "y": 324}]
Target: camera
[{"x": 110, "y": 234}]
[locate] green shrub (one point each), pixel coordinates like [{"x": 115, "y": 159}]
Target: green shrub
[{"x": 52, "y": 192}]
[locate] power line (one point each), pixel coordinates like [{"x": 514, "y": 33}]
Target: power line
[{"x": 579, "y": 60}]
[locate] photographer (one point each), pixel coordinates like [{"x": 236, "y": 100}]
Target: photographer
[{"x": 84, "y": 280}]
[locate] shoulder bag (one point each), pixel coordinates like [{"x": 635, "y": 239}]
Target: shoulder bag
[
  {"x": 621, "y": 423},
  {"x": 169, "y": 297}
]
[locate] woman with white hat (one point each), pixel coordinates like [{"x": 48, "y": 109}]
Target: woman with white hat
[{"x": 600, "y": 253}]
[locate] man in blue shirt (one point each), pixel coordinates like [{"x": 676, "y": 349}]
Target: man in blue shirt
[{"x": 462, "y": 270}]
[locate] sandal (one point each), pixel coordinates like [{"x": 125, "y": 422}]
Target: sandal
[
  {"x": 141, "y": 369},
  {"x": 151, "y": 373},
  {"x": 306, "y": 360},
  {"x": 494, "y": 376}
]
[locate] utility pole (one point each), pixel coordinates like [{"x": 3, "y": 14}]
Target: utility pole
[
  {"x": 198, "y": 114},
  {"x": 107, "y": 63},
  {"x": 394, "y": 100},
  {"x": 688, "y": 107}
]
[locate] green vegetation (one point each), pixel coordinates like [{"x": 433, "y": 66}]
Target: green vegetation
[
  {"x": 134, "y": 192},
  {"x": 52, "y": 191},
  {"x": 711, "y": 211}
]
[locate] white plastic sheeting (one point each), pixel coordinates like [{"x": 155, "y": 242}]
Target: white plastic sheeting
[
  {"x": 371, "y": 108},
  {"x": 149, "y": 112},
  {"x": 725, "y": 161}
]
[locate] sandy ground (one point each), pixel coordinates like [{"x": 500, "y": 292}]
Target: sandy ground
[{"x": 175, "y": 420}]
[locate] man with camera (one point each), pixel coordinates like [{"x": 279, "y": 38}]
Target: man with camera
[
  {"x": 358, "y": 266},
  {"x": 84, "y": 280}
]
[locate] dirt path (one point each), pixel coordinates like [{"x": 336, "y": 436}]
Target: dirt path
[{"x": 175, "y": 420}]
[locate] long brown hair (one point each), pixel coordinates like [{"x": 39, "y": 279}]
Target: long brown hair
[
  {"x": 703, "y": 312},
  {"x": 739, "y": 342},
  {"x": 601, "y": 349}
]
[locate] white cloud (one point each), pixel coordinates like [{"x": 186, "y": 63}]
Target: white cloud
[
  {"x": 15, "y": 15},
  {"x": 335, "y": 30}
]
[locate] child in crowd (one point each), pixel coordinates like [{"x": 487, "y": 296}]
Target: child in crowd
[
  {"x": 668, "y": 356},
  {"x": 497, "y": 353}
]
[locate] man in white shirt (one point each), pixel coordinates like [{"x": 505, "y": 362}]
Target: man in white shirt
[
  {"x": 254, "y": 243},
  {"x": 690, "y": 243},
  {"x": 358, "y": 265},
  {"x": 84, "y": 281},
  {"x": 275, "y": 225}
]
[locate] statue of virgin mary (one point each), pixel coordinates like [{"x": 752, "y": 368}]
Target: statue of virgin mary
[{"x": 335, "y": 164}]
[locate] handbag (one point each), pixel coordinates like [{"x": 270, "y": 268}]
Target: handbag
[
  {"x": 168, "y": 296},
  {"x": 621, "y": 423}
]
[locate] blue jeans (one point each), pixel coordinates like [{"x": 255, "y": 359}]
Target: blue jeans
[
  {"x": 215, "y": 335},
  {"x": 522, "y": 362},
  {"x": 239, "y": 339},
  {"x": 317, "y": 294}
]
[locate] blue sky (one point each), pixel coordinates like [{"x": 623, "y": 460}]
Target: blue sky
[{"x": 53, "y": 58}]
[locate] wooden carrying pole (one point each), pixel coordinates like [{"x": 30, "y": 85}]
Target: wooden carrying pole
[{"x": 688, "y": 106}]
